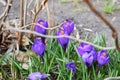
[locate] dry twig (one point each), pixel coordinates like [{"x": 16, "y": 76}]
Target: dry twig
[
  {"x": 9, "y": 3},
  {"x": 4, "y": 16},
  {"x": 50, "y": 36},
  {"x": 114, "y": 32},
  {"x": 21, "y": 20}
]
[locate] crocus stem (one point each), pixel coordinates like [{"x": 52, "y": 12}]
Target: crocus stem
[
  {"x": 99, "y": 67},
  {"x": 43, "y": 40},
  {"x": 88, "y": 69},
  {"x": 74, "y": 76},
  {"x": 42, "y": 58}
]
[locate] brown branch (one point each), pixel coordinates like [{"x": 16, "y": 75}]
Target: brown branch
[
  {"x": 65, "y": 36},
  {"x": 21, "y": 20},
  {"x": 107, "y": 22},
  {"x": 35, "y": 16}
]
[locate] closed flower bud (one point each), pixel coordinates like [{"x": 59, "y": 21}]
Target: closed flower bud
[
  {"x": 38, "y": 47},
  {"x": 68, "y": 26},
  {"x": 63, "y": 41},
  {"x": 103, "y": 58},
  {"x": 71, "y": 66}
]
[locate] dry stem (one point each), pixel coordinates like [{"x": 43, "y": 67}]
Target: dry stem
[{"x": 21, "y": 20}]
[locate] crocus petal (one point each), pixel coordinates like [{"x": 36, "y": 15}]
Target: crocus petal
[
  {"x": 38, "y": 47},
  {"x": 37, "y": 76},
  {"x": 40, "y": 29},
  {"x": 83, "y": 48},
  {"x": 88, "y": 59},
  {"x": 103, "y": 57},
  {"x": 63, "y": 41},
  {"x": 68, "y": 26}
]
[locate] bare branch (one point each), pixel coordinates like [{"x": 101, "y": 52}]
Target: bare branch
[
  {"x": 21, "y": 20},
  {"x": 58, "y": 26},
  {"x": 50, "y": 36},
  {"x": 6, "y": 9},
  {"x": 107, "y": 22}
]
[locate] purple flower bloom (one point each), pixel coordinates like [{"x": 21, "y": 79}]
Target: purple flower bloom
[
  {"x": 71, "y": 66},
  {"x": 84, "y": 47},
  {"x": 68, "y": 26},
  {"x": 40, "y": 29},
  {"x": 63, "y": 41},
  {"x": 103, "y": 57},
  {"x": 88, "y": 59},
  {"x": 87, "y": 53},
  {"x": 38, "y": 47},
  {"x": 37, "y": 76}
]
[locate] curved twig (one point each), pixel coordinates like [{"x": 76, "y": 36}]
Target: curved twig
[
  {"x": 6, "y": 9},
  {"x": 58, "y": 26},
  {"x": 70, "y": 37},
  {"x": 114, "y": 32}
]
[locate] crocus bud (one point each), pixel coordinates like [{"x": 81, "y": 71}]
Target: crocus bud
[
  {"x": 38, "y": 47},
  {"x": 68, "y": 26},
  {"x": 83, "y": 47},
  {"x": 63, "y": 41},
  {"x": 39, "y": 29},
  {"x": 103, "y": 58},
  {"x": 88, "y": 59},
  {"x": 71, "y": 66}
]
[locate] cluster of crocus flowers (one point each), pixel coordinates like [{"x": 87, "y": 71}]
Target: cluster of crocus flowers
[
  {"x": 89, "y": 54},
  {"x": 66, "y": 29},
  {"x": 37, "y": 76}
]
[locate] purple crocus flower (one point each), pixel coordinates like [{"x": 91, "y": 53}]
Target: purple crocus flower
[
  {"x": 71, "y": 66},
  {"x": 88, "y": 59},
  {"x": 40, "y": 29},
  {"x": 84, "y": 47},
  {"x": 68, "y": 26},
  {"x": 37, "y": 76},
  {"x": 63, "y": 41},
  {"x": 88, "y": 53},
  {"x": 87, "y": 48},
  {"x": 103, "y": 58},
  {"x": 38, "y": 47}
]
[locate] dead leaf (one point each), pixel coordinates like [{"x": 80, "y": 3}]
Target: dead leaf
[{"x": 25, "y": 66}]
